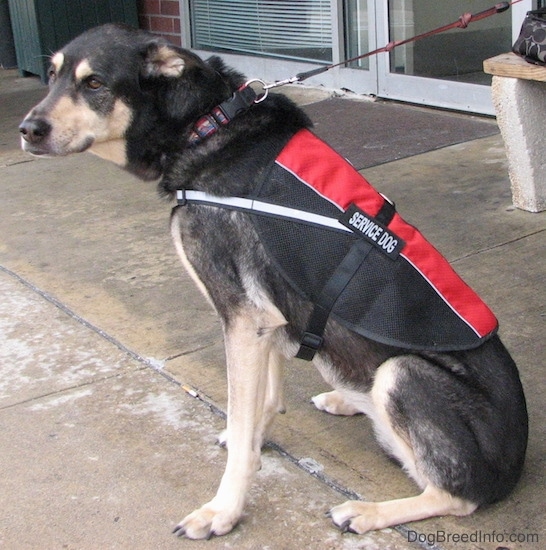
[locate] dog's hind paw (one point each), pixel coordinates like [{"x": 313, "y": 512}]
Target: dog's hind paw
[
  {"x": 333, "y": 402},
  {"x": 204, "y": 523}
]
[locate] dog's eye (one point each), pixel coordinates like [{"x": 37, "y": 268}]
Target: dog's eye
[
  {"x": 51, "y": 75},
  {"x": 93, "y": 83}
]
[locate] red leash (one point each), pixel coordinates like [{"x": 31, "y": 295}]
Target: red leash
[{"x": 461, "y": 23}]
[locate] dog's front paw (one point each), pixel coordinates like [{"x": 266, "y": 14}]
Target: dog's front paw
[
  {"x": 333, "y": 402},
  {"x": 206, "y": 522},
  {"x": 354, "y": 516}
]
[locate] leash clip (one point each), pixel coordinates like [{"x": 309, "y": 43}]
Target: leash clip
[
  {"x": 265, "y": 88},
  {"x": 279, "y": 83}
]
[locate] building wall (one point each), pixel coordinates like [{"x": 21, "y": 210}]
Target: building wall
[{"x": 161, "y": 17}]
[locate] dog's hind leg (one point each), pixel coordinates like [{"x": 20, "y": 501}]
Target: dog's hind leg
[
  {"x": 360, "y": 517},
  {"x": 249, "y": 339}
]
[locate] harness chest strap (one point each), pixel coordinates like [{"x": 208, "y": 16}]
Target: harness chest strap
[{"x": 184, "y": 196}]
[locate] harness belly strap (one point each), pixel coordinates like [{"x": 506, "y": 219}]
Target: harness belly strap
[{"x": 312, "y": 338}]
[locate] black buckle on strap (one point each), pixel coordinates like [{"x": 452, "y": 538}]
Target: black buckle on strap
[
  {"x": 309, "y": 345},
  {"x": 387, "y": 211},
  {"x": 238, "y": 103}
]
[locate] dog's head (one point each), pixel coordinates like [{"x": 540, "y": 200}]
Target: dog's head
[{"x": 113, "y": 87}]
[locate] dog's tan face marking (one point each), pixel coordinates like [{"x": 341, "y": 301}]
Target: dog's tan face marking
[
  {"x": 76, "y": 127},
  {"x": 109, "y": 143},
  {"x": 83, "y": 70},
  {"x": 57, "y": 61}
]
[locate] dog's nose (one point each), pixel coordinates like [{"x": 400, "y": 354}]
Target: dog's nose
[{"x": 34, "y": 130}]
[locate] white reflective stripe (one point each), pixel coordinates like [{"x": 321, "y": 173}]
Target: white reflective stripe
[
  {"x": 235, "y": 202},
  {"x": 301, "y": 215},
  {"x": 264, "y": 207}
]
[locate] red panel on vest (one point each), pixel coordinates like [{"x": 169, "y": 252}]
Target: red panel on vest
[{"x": 318, "y": 166}]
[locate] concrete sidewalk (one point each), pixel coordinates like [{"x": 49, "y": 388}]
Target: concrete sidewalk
[{"x": 100, "y": 447}]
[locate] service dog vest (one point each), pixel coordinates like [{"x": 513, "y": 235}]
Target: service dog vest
[{"x": 340, "y": 244}]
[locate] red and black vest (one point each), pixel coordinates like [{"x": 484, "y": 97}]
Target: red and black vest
[{"x": 340, "y": 244}]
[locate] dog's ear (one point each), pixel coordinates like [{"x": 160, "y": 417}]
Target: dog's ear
[{"x": 162, "y": 59}]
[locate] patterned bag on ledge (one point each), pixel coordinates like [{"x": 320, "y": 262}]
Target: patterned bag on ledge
[{"x": 531, "y": 42}]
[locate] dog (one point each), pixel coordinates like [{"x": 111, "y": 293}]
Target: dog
[{"x": 453, "y": 415}]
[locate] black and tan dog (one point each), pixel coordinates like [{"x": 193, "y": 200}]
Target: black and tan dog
[{"x": 445, "y": 398}]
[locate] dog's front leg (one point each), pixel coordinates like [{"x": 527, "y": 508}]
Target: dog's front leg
[
  {"x": 248, "y": 351},
  {"x": 274, "y": 397}
]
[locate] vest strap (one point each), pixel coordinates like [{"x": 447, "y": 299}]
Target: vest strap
[{"x": 312, "y": 338}]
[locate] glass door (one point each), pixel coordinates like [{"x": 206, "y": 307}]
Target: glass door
[{"x": 444, "y": 70}]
